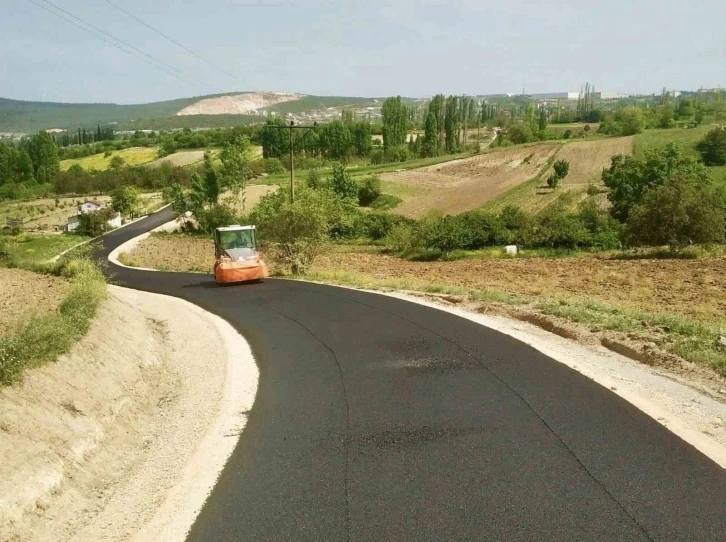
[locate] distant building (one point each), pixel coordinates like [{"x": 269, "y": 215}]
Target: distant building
[
  {"x": 556, "y": 96},
  {"x": 89, "y": 207}
]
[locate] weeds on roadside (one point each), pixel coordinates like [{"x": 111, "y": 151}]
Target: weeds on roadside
[{"x": 44, "y": 338}]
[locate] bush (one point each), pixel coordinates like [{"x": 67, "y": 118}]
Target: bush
[
  {"x": 404, "y": 236},
  {"x": 214, "y": 217},
  {"x": 557, "y": 228},
  {"x": 385, "y": 202},
  {"x": 342, "y": 184},
  {"x": 314, "y": 179},
  {"x": 592, "y": 190},
  {"x": 446, "y": 234},
  {"x": 713, "y": 147},
  {"x": 297, "y": 232},
  {"x": 480, "y": 229},
  {"x": 678, "y": 213},
  {"x": 94, "y": 224},
  {"x": 519, "y": 133},
  {"x": 369, "y": 190},
  {"x": 377, "y": 226}
]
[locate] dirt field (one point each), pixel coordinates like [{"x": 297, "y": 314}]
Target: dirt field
[
  {"x": 460, "y": 185},
  {"x": 251, "y": 197},
  {"x": 173, "y": 253},
  {"x": 587, "y": 160},
  {"x": 696, "y": 288},
  {"x": 181, "y": 158},
  {"x": 24, "y": 294}
]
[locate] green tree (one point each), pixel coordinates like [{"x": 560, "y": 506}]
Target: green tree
[
  {"x": 629, "y": 177},
  {"x": 713, "y": 147},
  {"x": 336, "y": 138},
  {"x": 630, "y": 119},
  {"x": 678, "y": 213},
  {"x": 205, "y": 190},
  {"x": 430, "y": 143},
  {"x": 117, "y": 162},
  {"x": 437, "y": 108},
  {"x": 369, "y": 190},
  {"x": 560, "y": 170},
  {"x": 395, "y": 122},
  {"x": 342, "y": 185},
  {"x": 43, "y": 153},
  {"x": 542, "y": 120},
  {"x": 124, "y": 200},
  {"x": 519, "y": 133},
  {"x": 451, "y": 124},
  {"x": 275, "y": 141},
  {"x": 235, "y": 170},
  {"x": 361, "y": 136}
]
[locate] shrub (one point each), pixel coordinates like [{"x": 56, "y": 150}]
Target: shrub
[
  {"x": 369, "y": 190},
  {"x": 519, "y": 133},
  {"x": 480, "y": 229},
  {"x": 297, "y": 232},
  {"x": 713, "y": 147},
  {"x": 216, "y": 216},
  {"x": 404, "y": 236},
  {"x": 446, "y": 234},
  {"x": 678, "y": 213},
  {"x": 342, "y": 184},
  {"x": 592, "y": 190},
  {"x": 586, "y": 128},
  {"x": 567, "y": 134},
  {"x": 385, "y": 202},
  {"x": 314, "y": 178},
  {"x": 377, "y": 226},
  {"x": 557, "y": 228},
  {"x": 94, "y": 224}
]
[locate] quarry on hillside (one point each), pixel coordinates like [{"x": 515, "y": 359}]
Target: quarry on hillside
[{"x": 239, "y": 104}]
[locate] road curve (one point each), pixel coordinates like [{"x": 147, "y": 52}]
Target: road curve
[{"x": 379, "y": 419}]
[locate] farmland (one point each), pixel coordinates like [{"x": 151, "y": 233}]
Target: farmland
[
  {"x": 587, "y": 160},
  {"x": 468, "y": 183},
  {"x": 100, "y": 162}
]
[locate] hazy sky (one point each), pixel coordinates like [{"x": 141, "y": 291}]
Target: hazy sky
[{"x": 363, "y": 48}]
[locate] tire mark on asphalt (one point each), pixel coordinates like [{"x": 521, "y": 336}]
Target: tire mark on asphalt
[
  {"x": 518, "y": 395},
  {"x": 346, "y": 442}
]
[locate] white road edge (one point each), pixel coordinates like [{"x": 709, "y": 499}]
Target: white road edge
[{"x": 175, "y": 517}]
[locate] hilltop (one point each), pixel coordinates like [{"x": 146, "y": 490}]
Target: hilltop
[{"x": 215, "y": 110}]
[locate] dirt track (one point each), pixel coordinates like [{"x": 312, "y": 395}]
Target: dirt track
[{"x": 468, "y": 183}]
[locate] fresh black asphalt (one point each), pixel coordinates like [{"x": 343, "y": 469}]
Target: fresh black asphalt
[{"x": 378, "y": 419}]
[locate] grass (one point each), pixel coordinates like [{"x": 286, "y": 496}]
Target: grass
[
  {"x": 44, "y": 338},
  {"x": 99, "y": 162},
  {"x": 691, "y": 340},
  {"x": 28, "y": 251}
]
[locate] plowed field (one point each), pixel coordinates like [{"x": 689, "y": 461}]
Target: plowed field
[{"x": 460, "y": 185}]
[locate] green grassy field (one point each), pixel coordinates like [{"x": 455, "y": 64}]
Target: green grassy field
[
  {"x": 99, "y": 162},
  {"x": 26, "y": 250},
  {"x": 685, "y": 138}
]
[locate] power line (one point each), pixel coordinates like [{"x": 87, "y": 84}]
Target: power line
[
  {"x": 156, "y": 63},
  {"x": 187, "y": 49}
]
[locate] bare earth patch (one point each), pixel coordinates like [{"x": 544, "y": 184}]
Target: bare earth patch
[
  {"x": 181, "y": 158},
  {"x": 24, "y": 294},
  {"x": 173, "y": 252},
  {"x": 460, "y": 185},
  {"x": 695, "y": 288}
]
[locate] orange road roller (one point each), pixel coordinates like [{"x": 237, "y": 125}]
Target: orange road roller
[{"x": 236, "y": 256}]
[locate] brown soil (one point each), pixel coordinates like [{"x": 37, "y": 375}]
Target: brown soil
[
  {"x": 460, "y": 185},
  {"x": 696, "y": 288},
  {"x": 588, "y": 158},
  {"x": 24, "y": 294},
  {"x": 173, "y": 253}
]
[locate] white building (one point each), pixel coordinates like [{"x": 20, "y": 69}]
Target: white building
[{"x": 89, "y": 207}]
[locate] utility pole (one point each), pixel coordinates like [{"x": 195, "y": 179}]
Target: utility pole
[{"x": 292, "y": 127}]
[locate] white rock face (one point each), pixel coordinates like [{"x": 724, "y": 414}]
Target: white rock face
[{"x": 239, "y": 104}]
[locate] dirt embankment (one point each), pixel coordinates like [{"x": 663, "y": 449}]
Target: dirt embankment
[
  {"x": 460, "y": 185},
  {"x": 239, "y": 104},
  {"x": 92, "y": 444},
  {"x": 24, "y": 294}
]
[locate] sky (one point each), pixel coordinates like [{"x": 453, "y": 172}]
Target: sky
[{"x": 360, "y": 48}]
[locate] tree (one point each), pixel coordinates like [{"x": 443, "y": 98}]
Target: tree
[
  {"x": 451, "y": 124},
  {"x": 519, "y": 133},
  {"x": 124, "y": 200},
  {"x": 713, "y": 147},
  {"x": 336, "y": 138},
  {"x": 395, "y": 122},
  {"x": 342, "y": 184},
  {"x": 560, "y": 170},
  {"x": 542, "y": 120},
  {"x": 235, "y": 170},
  {"x": 117, "y": 162},
  {"x": 629, "y": 177},
  {"x": 678, "y": 213},
  {"x": 205, "y": 190},
  {"x": 685, "y": 109},
  {"x": 437, "y": 108},
  {"x": 275, "y": 141},
  {"x": 43, "y": 154},
  {"x": 94, "y": 224},
  {"x": 430, "y": 143},
  {"x": 631, "y": 120},
  {"x": 369, "y": 190},
  {"x": 361, "y": 136}
]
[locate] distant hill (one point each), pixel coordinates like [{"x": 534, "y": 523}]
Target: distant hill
[{"x": 28, "y": 117}]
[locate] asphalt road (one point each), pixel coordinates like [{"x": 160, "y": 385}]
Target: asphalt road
[{"x": 379, "y": 419}]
